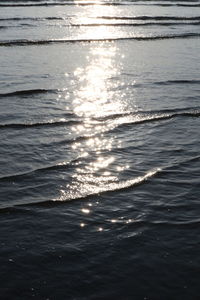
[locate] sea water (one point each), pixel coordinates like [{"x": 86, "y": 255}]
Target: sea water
[{"x": 99, "y": 152}]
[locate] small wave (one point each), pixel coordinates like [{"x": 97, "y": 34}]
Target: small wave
[
  {"x": 107, "y": 188},
  {"x": 170, "y": 82},
  {"x": 31, "y": 19},
  {"x": 146, "y": 18},
  {"x": 40, "y": 124},
  {"x": 106, "y": 39},
  {"x": 132, "y": 24},
  {"x": 120, "y": 120},
  {"x": 115, "y": 186},
  {"x": 162, "y": 117},
  {"x": 25, "y": 93},
  {"x": 64, "y": 3},
  {"x": 149, "y": 116},
  {"x": 125, "y": 18},
  {"x": 6, "y": 27},
  {"x": 176, "y": 4},
  {"x": 26, "y": 25},
  {"x": 57, "y": 166},
  {"x": 69, "y": 3},
  {"x": 100, "y": 190},
  {"x": 37, "y": 4},
  {"x": 89, "y": 3},
  {"x": 170, "y": 224},
  {"x": 129, "y": 119}
]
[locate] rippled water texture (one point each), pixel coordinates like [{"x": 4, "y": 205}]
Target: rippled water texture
[{"x": 99, "y": 152}]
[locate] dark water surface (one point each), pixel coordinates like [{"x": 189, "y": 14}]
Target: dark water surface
[{"x": 99, "y": 152}]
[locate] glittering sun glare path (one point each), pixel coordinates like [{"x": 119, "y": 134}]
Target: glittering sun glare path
[
  {"x": 95, "y": 100},
  {"x": 99, "y": 103}
]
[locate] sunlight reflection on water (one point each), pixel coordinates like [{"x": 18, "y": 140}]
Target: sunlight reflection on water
[
  {"x": 100, "y": 104},
  {"x": 94, "y": 98}
]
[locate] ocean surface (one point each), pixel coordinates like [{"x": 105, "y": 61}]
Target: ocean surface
[{"x": 99, "y": 151}]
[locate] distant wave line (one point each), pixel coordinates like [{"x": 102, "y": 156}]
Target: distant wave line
[
  {"x": 102, "y": 1},
  {"x": 113, "y": 24},
  {"x": 142, "y": 18},
  {"x": 10, "y": 43},
  {"x": 28, "y": 92},
  {"x": 146, "y": 17},
  {"x": 92, "y": 3},
  {"x": 164, "y": 83},
  {"x": 122, "y": 18},
  {"x": 31, "y": 19},
  {"x": 39, "y": 124},
  {"x": 8, "y": 26},
  {"x": 131, "y": 24},
  {"x": 122, "y": 24},
  {"x": 170, "y": 82}
]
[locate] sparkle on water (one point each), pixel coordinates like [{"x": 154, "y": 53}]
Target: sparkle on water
[{"x": 96, "y": 98}]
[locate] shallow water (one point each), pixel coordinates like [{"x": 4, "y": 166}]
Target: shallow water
[{"x": 99, "y": 152}]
